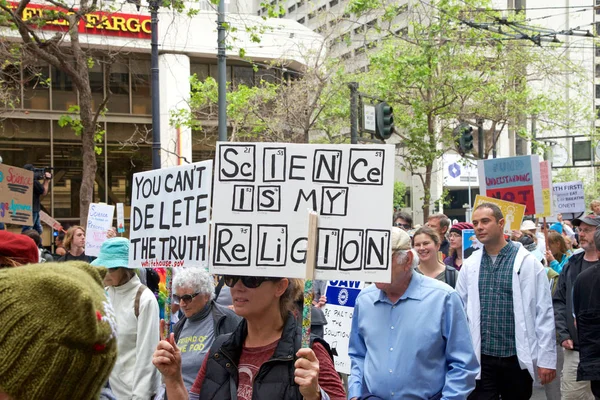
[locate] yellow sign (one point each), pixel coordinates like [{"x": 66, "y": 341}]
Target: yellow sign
[
  {"x": 546, "y": 176},
  {"x": 513, "y": 212}
]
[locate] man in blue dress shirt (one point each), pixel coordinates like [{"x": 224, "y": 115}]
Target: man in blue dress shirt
[{"x": 410, "y": 338}]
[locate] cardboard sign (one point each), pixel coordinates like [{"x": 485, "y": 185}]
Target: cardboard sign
[
  {"x": 568, "y": 197},
  {"x": 120, "y": 218},
  {"x": 170, "y": 212},
  {"x": 341, "y": 297},
  {"x": 513, "y": 212},
  {"x": 546, "y": 177},
  {"x": 16, "y": 195},
  {"x": 51, "y": 222},
  {"x": 99, "y": 221},
  {"x": 470, "y": 243},
  {"x": 514, "y": 179},
  {"x": 262, "y": 195}
]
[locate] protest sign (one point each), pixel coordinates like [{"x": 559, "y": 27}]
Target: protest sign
[
  {"x": 120, "y": 218},
  {"x": 514, "y": 179},
  {"x": 170, "y": 211},
  {"x": 263, "y": 191},
  {"x": 16, "y": 195},
  {"x": 341, "y": 297},
  {"x": 568, "y": 197},
  {"x": 99, "y": 221},
  {"x": 51, "y": 222},
  {"x": 546, "y": 177},
  {"x": 470, "y": 243},
  {"x": 513, "y": 212}
]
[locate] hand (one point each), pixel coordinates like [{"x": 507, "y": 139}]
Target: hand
[
  {"x": 567, "y": 344},
  {"x": 546, "y": 375},
  {"x": 549, "y": 256},
  {"x": 47, "y": 176},
  {"x": 306, "y": 374},
  {"x": 517, "y": 234},
  {"x": 322, "y": 301},
  {"x": 167, "y": 359}
]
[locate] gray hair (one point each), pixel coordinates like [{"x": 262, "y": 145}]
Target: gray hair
[
  {"x": 401, "y": 257},
  {"x": 195, "y": 278}
]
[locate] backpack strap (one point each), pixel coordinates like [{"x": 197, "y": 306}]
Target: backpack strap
[
  {"x": 138, "y": 295},
  {"x": 450, "y": 276},
  {"x": 219, "y": 287}
]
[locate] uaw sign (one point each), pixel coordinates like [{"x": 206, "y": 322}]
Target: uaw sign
[
  {"x": 95, "y": 23},
  {"x": 341, "y": 297}
]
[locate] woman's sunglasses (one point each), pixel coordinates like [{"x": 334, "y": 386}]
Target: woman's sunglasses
[
  {"x": 251, "y": 282},
  {"x": 185, "y": 298}
]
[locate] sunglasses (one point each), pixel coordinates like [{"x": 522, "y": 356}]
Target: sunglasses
[
  {"x": 186, "y": 297},
  {"x": 405, "y": 226},
  {"x": 251, "y": 282}
]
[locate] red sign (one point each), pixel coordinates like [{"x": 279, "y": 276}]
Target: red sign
[{"x": 95, "y": 23}]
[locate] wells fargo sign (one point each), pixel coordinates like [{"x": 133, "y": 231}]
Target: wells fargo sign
[{"x": 96, "y": 23}]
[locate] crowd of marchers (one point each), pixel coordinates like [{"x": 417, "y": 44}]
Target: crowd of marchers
[{"x": 520, "y": 310}]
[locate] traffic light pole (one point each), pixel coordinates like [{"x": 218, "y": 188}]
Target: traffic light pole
[
  {"x": 155, "y": 85},
  {"x": 480, "y": 140},
  {"x": 222, "y": 72},
  {"x": 353, "y": 112}
]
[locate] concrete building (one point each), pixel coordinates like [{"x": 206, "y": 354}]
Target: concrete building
[{"x": 31, "y": 132}]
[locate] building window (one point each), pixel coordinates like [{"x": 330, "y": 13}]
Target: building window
[
  {"x": 97, "y": 83},
  {"x": 36, "y": 91},
  {"x": 243, "y": 76},
  {"x": 598, "y": 91},
  {"x": 597, "y": 113},
  {"x": 333, "y": 3},
  {"x": 292, "y": 9},
  {"x": 301, "y": 20},
  {"x": 346, "y": 56},
  {"x": 141, "y": 91},
  {"x": 321, "y": 9},
  {"x": 64, "y": 94},
  {"x": 300, "y": 3},
  {"x": 118, "y": 82},
  {"x": 359, "y": 30},
  {"x": 311, "y": 15},
  {"x": 372, "y": 23}
]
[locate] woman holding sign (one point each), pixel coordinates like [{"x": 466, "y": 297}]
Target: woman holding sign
[{"x": 262, "y": 358}]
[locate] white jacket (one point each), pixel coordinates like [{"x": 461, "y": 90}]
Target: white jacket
[
  {"x": 532, "y": 301},
  {"x": 134, "y": 377}
]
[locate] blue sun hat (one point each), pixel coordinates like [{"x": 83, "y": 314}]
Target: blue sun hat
[
  {"x": 557, "y": 227},
  {"x": 114, "y": 253}
]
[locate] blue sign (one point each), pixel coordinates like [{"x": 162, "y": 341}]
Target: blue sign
[
  {"x": 342, "y": 293},
  {"x": 454, "y": 170}
]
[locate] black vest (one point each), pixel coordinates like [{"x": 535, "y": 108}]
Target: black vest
[{"x": 275, "y": 378}]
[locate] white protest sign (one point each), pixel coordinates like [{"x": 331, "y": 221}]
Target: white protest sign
[
  {"x": 341, "y": 297},
  {"x": 120, "y": 218},
  {"x": 261, "y": 197},
  {"x": 170, "y": 211},
  {"x": 568, "y": 197},
  {"x": 99, "y": 221}
]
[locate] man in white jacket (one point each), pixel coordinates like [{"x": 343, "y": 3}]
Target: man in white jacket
[{"x": 509, "y": 307}]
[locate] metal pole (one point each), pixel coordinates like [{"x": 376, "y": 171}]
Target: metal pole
[
  {"x": 353, "y": 112},
  {"x": 480, "y": 141},
  {"x": 155, "y": 88},
  {"x": 222, "y": 68},
  {"x": 533, "y": 134}
]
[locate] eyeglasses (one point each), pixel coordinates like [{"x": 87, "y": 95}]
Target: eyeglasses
[
  {"x": 185, "y": 298},
  {"x": 399, "y": 225},
  {"x": 587, "y": 230},
  {"x": 454, "y": 235},
  {"x": 251, "y": 282}
]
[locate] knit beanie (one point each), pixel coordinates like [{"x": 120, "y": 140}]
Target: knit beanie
[
  {"x": 20, "y": 248},
  {"x": 459, "y": 227},
  {"x": 557, "y": 227},
  {"x": 57, "y": 332}
]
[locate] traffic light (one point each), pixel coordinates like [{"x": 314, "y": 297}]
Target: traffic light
[
  {"x": 384, "y": 120},
  {"x": 465, "y": 138}
]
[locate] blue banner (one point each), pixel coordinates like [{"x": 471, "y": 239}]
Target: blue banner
[{"x": 342, "y": 293}]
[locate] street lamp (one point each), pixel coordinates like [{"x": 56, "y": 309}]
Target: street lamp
[{"x": 154, "y": 4}]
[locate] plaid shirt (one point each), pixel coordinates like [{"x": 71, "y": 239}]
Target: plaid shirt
[{"x": 496, "y": 297}]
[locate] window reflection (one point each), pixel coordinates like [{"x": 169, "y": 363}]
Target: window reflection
[
  {"x": 97, "y": 84},
  {"x": 119, "y": 87},
  {"x": 63, "y": 90},
  {"x": 36, "y": 93},
  {"x": 140, "y": 87}
]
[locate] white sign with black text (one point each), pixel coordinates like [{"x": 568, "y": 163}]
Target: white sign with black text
[
  {"x": 100, "y": 218},
  {"x": 170, "y": 212},
  {"x": 568, "y": 197},
  {"x": 262, "y": 194}
]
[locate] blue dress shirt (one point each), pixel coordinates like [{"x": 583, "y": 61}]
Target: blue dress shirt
[{"x": 415, "y": 348}]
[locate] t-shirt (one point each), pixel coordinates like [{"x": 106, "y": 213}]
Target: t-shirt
[
  {"x": 81, "y": 257},
  {"x": 440, "y": 277},
  {"x": 195, "y": 339},
  {"x": 585, "y": 264},
  {"x": 252, "y": 359}
]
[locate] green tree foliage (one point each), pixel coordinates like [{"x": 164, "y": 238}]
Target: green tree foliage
[
  {"x": 445, "y": 69},
  {"x": 399, "y": 194}
]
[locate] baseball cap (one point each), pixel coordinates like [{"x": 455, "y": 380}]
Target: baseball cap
[
  {"x": 589, "y": 220},
  {"x": 400, "y": 239}
]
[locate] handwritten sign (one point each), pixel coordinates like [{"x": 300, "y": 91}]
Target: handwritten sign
[
  {"x": 513, "y": 212},
  {"x": 261, "y": 197},
  {"x": 341, "y": 297},
  {"x": 51, "y": 222},
  {"x": 99, "y": 221},
  {"x": 546, "y": 177},
  {"x": 170, "y": 212},
  {"x": 514, "y": 179},
  {"x": 470, "y": 243},
  {"x": 16, "y": 195},
  {"x": 120, "y": 218},
  {"x": 568, "y": 197}
]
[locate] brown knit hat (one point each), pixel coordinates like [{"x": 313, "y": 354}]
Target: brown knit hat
[{"x": 57, "y": 332}]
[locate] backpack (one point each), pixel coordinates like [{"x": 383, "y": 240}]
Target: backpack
[{"x": 451, "y": 274}]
